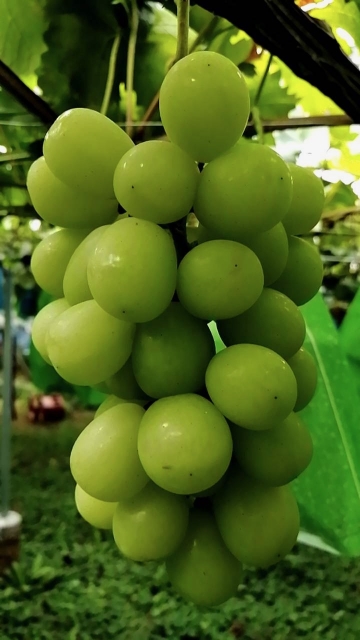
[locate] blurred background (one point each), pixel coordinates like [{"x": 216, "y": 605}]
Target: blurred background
[{"x": 61, "y": 579}]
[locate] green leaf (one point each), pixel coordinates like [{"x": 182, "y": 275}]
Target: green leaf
[
  {"x": 21, "y": 35},
  {"x": 232, "y": 43},
  {"x": 343, "y": 15},
  {"x": 275, "y": 100},
  {"x": 310, "y": 99}
]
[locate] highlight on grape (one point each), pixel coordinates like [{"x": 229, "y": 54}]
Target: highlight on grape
[{"x": 190, "y": 459}]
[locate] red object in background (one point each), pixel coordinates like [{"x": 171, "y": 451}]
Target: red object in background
[{"x": 46, "y": 408}]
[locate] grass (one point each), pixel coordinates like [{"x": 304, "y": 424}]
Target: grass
[{"x": 72, "y": 584}]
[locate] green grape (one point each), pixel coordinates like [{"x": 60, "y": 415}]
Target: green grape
[
  {"x": 75, "y": 283},
  {"x": 244, "y": 192},
  {"x": 42, "y": 322},
  {"x": 302, "y": 276},
  {"x": 86, "y": 345},
  {"x": 275, "y": 456},
  {"x": 83, "y": 147},
  {"x": 123, "y": 384},
  {"x": 66, "y": 206},
  {"x": 185, "y": 444},
  {"x": 304, "y": 368},
  {"x": 171, "y": 353},
  {"x": 132, "y": 273},
  {"x": 104, "y": 460},
  {"x": 51, "y": 257},
  {"x": 251, "y": 385},
  {"x": 274, "y": 321},
  {"x": 96, "y": 512},
  {"x": 151, "y": 525},
  {"x": 204, "y": 104},
  {"x": 203, "y": 570},
  {"x": 272, "y": 249},
  {"x": 307, "y": 201},
  {"x": 156, "y": 181},
  {"x": 258, "y": 524},
  {"x": 219, "y": 279},
  {"x": 109, "y": 403}
]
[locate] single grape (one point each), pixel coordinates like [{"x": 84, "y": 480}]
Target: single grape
[
  {"x": 276, "y": 456},
  {"x": 42, "y": 322},
  {"x": 258, "y": 524},
  {"x": 244, "y": 192},
  {"x": 251, "y": 385},
  {"x": 86, "y": 345},
  {"x": 96, "y": 512},
  {"x": 304, "y": 368},
  {"x": 109, "y": 403},
  {"x": 132, "y": 273},
  {"x": 185, "y": 444},
  {"x": 66, "y": 206},
  {"x": 272, "y": 249},
  {"x": 151, "y": 525},
  {"x": 123, "y": 384},
  {"x": 274, "y": 321},
  {"x": 204, "y": 104},
  {"x": 219, "y": 279},
  {"x": 307, "y": 201},
  {"x": 171, "y": 353},
  {"x": 156, "y": 181},
  {"x": 203, "y": 570},
  {"x": 83, "y": 147},
  {"x": 75, "y": 283},
  {"x": 51, "y": 257},
  {"x": 104, "y": 460},
  {"x": 302, "y": 276}
]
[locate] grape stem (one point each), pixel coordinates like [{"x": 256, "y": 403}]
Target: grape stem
[
  {"x": 130, "y": 66},
  {"x": 111, "y": 74},
  {"x": 183, "y": 13},
  {"x": 255, "y": 112}
]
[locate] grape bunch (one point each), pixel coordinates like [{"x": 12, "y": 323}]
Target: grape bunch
[{"x": 190, "y": 457}]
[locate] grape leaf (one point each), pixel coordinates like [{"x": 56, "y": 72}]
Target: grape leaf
[
  {"x": 275, "y": 100},
  {"x": 310, "y": 99},
  {"x": 232, "y": 43},
  {"x": 21, "y": 35},
  {"x": 341, "y": 14}
]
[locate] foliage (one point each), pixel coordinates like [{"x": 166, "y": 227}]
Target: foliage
[{"x": 49, "y": 596}]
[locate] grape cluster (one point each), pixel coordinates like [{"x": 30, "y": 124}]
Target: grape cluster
[{"x": 190, "y": 457}]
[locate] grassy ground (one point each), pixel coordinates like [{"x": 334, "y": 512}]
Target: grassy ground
[{"x": 71, "y": 583}]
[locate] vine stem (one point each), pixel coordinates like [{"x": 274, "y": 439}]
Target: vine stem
[
  {"x": 183, "y": 15},
  {"x": 255, "y": 110},
  {"x": 111, "y": 75},
  {"x": 130, "y": 66}
]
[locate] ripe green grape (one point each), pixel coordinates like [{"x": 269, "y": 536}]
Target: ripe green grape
[
  {"x": 272, "y": 249},
  {"x": 42, "y": 322},
  {"x": 83, "y": 147},
  {"x": 304, "y": 368},
  {"x": 151, "y": 525},
  {"x": 86, "y": 345},
  {"x": 258, "y": 524},
  {"x": 244, "y": 192},
  {"x": 204, "y": 104},
  {"x": 307, "y": 201},
  {"x": 104, "y": 460},
  {"x": 66, "y": 206},
  {"x": 96, "y": 512},
  {"x": 109, "y": 403},
  {"x": 274, "y": 321},
  {"x": 156, "y": 181},
  {"x": 302, "y": 276},
  {"x": 251, "y": 385},
  {"x": 51, "y": 257},
  {"x": 275, "y": 456},
  {"x": 132, "y": 273},
  {"x": 171, "y": 353},
  {"x": 203, "y": 570},
  {"x": 75, "y": 283},
  {"x": 219, "y": 279},
  {"x": 185, "y": 444},
  {"x": 123, "y": 384}
]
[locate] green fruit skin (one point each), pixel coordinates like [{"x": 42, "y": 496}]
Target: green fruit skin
[
  {"x": 302, "y": 276},
  {"x": 42, "y": 322},
  {"x": 75, "y": 283},
  {"x": 151, "y": 525},
  {"x": 203, "y": 570},
  {"x": 305, "y": 370},
  {"x": 96, "y": 512},
  {"x": 277, "y": 456},
  {"x": 274, "y": 321},
  {"x": 307, "y": 201},
  {"x": 123, "y": 384},
  {"x": 258, "y": 524}
]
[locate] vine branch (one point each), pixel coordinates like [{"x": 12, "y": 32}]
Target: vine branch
[
  {"x": 130, "y": 66},
  {"x": 26, "y": 97},
  {"x": 111, "y": 74}
]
